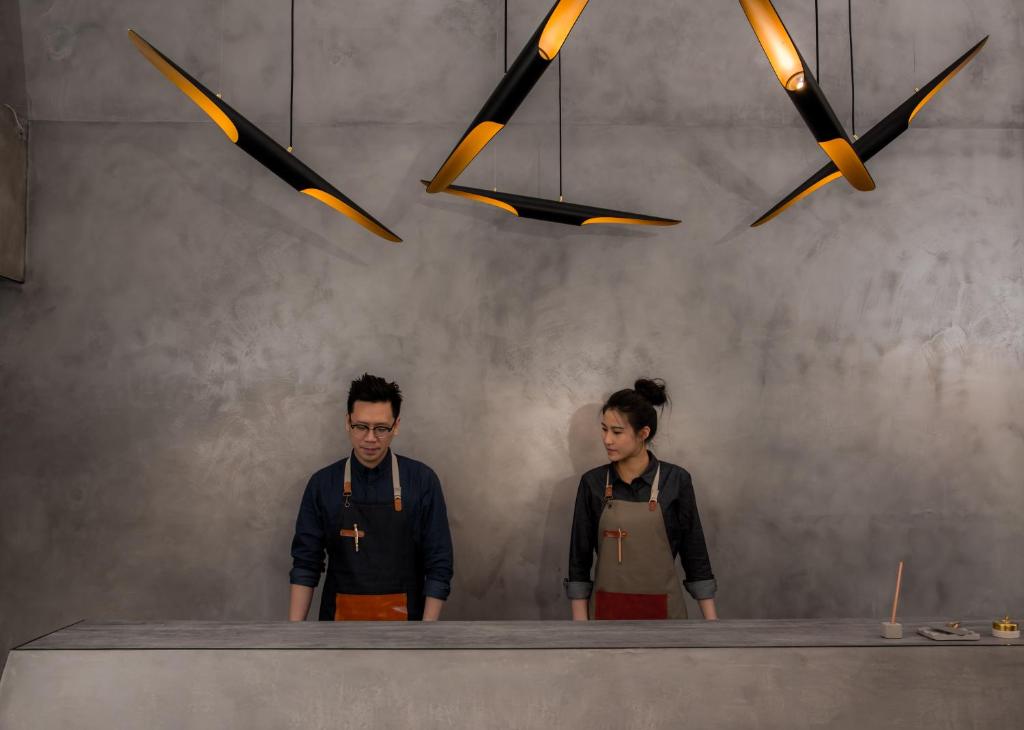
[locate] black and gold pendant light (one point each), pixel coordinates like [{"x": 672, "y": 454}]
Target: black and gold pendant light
[
  {"x": 258, "y": 144},
  {"x": 803, "y": 90},
  {"x": 879, "y": 136},
  {"x": 515, "y": 85},
  {"x": 553, "y": 211}
]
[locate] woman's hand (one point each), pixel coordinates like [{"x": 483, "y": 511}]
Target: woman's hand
[
  {"x": 707, "y": 607},
  {"x": 580, "y": 610}
]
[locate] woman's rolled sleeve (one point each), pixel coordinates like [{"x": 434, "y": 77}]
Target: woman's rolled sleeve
[
  {"x": 581, "y": 545},
  {"x": 693, "y": 551}
]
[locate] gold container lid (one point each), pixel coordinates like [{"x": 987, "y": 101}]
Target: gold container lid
[{"x": 1005, "y": 624}]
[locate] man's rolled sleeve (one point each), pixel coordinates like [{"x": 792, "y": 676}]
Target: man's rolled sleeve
[
  {"x": 308, "y": 542},
  {"x": 436, "y": 540},
  {"x": 436, "y": 589}
]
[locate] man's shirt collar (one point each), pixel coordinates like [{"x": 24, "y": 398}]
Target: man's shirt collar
[{"x": 363, "y": 474}]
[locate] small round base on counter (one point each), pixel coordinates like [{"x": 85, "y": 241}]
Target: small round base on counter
[
  {"x": 1005, "y": 628},
  {"x": 892, "y": 631}
]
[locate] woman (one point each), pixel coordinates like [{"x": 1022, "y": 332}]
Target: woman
[{"x": 637, "y": 514}]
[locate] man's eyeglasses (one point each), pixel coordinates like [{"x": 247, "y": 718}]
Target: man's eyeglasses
[{"x": 363, "y": 429}]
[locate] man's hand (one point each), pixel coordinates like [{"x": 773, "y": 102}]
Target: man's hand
[
  {"x": 301, "y": 598},
  {"x": 432, "y": 609}
]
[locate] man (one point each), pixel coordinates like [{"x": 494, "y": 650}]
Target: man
[{"x": 381, "y": 519}]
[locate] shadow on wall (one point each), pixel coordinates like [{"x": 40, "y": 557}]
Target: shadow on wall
[{"x": 585, "y": 452}]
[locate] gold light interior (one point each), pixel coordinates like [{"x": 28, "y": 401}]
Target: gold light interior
[
  {"x": 345, "y": 209},
  {"x": 561, "y": 21},
  {"x": 820, "y": 184},
  {"x": 774, "y": 39},
  {"x": 188, "y": 88},
  {"x": 629, "y": 221},
  {"x": 462, "y": 155},
  {"x": 954, "y": 72},
  {"x": 483, "y": 199},
  {"x": 842, "y": 153}
]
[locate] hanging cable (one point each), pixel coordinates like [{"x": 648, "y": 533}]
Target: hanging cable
[
  {"x": 560, "y": 127},
  {"x": 291, "y": 85},
  {"x": 853, "y": 85},
  {"x": 817, "y": 57},
  {"x": 220, "y": 52},
  {"x": 494, "y": 154}
]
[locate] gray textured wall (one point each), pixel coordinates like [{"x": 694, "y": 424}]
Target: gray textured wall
[{"x": 847, "y": 380}]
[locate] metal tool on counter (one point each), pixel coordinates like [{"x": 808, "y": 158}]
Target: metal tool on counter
[{"x": 951, "y": 631}]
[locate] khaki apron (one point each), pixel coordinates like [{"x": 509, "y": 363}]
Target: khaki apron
[{"x": 636, "y": 575}]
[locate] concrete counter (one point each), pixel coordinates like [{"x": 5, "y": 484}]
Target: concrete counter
[
  {"x": 481, "y": 635},
  {"x": 764, "y": 674}
]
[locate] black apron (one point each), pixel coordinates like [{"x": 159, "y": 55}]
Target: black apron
[{"x": 372, "y": 569}]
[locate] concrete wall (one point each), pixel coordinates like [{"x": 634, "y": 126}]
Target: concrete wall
[{"x": 846, "y": 380}]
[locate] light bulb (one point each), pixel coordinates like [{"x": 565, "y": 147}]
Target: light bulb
[{"x": 796, "y": 82}]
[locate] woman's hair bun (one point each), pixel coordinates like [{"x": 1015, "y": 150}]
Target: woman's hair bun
[{"x": 652, "y": 389}]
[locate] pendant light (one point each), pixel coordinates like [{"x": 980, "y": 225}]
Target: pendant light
[
  {"x": 258, "y": 144},
  {"x": 879, "y": 136},
  {"x": 802, "y": 89},
  {"x": 553, "y": 211},
  {"x": 513, "y": 88}
]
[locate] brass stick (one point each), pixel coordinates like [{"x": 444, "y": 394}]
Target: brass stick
[{"x": 896, "y": 598}]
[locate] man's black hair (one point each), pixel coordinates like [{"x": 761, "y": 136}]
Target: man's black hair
[{"x": 371, "y": 389}]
